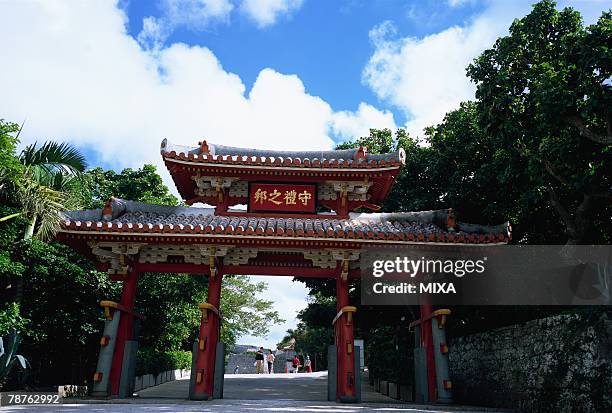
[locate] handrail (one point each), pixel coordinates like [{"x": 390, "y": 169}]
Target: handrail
[
  {"x": 346, "y": 309},
  {"x": 107, "y": 305},
  {"x": 204, "y": 307},
  {"x": 442, "y": 312}
]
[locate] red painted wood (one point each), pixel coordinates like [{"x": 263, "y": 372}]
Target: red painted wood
[
  {"x": 209, "y": 331},
  {"x": 125, "y": 330},
  {"x": 181, "y": 175},
  {"x": 388, "y": 182},
  {"x": 253, "y": 241},
  {"x": 276, "y": 174},
  {"x": 244, "y": 270},
  {"x": 345, "y": 384},
  {"x": 427, "y": 343},
  {"x": 274, "y": 197},
  {"x": 279, "y": 215}
]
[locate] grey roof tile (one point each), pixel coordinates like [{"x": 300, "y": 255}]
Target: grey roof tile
[{"x": 135, "y": 217}]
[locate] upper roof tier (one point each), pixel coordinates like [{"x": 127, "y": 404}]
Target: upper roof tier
[
  {"x": 219, "y": 175},
  {"x": 356, "y": 158}
]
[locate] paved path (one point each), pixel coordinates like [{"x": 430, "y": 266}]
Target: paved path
[
  {"x": 232, "y": 406},
  {"x": 301, "y": 386},
  {"x": 245, "y": 393}
]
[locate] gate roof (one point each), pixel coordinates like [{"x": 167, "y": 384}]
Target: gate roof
[
  {"x": 185, "y": 163},
  {"x": 128, "y": 219}
]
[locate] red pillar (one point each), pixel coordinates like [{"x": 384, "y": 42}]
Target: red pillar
[
  {"x": 207, "y": 341},
  {"x": 125, "y": 330},
  {"x": 427, "y": 343},
  {"x": 345, "y": 385}
]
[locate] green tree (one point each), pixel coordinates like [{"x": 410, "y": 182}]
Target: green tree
[
  {"x": 61, "y": 301},
  {"x": 413, "y": 188},
  {"x": 170, "y": 301},
  {"x": 144, "y": 185},
  {"x": 244, "y": 311},
  {"x": 37, "y": 185},
  {"x": 484, "y": 181},
  {"x": 544, "y": 92},
  {"x": 10, "y": 167},
  {"x": 45, "y": 186},
  {"x": 314, "y": 332}
]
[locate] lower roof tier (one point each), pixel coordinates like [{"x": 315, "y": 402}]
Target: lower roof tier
[{"x": 129, "y": 218}]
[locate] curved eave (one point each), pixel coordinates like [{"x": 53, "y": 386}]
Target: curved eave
[
  {"x": 280, "y": 164},
  {"x": 166, "y": 234}
]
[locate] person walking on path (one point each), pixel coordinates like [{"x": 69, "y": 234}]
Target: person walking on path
[
  {"x": 270, "y": 359},
  {"x": 259, "y": 360},
  {"x": 308, "y": 365},
  {"x": 296, "y": 364}
]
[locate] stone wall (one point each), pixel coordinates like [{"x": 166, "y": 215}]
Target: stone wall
[
  {"x": 150, "y": 380},
  {"x": 558, "y": 364}
]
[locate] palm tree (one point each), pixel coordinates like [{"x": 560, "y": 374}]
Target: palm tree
[
  {"x": 46, "y": 186},
  {"x": 42, "y": 186}
]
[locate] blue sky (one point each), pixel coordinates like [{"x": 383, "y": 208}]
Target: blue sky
[
  {"x": 115, "y": 77},
  {"x": 325, "y": 42}
]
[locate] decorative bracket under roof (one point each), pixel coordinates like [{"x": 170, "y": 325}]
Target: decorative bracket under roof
[
  {"x": 352, "y": 190},
  {"x": 331, "y": 257},
  {"x": 212, "y": 185},
  {"x": 119, "y": 255},
  {"x": 240, "y": 256},
  {"x": 191, "y": 254}
]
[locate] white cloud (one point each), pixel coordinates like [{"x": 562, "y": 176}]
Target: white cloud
[
  {"x": 266, "y": 12},
  {"x": 196, "y": 15},
  {"x": 425, "y": 77},
  {"x": 199, "y": 15},
  {"x": 76, "y": 75},
  {"x": 154, "y": 33},
  {"x": 349, "y": 125},
  {"x": 457, "y": 3}
]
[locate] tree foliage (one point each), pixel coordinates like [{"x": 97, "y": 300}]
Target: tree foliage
[
  {"x": 244, "y": 310},
  {"x": 10, "y": 167},
  {"x": 43, "y": 186},
  {"x": 544, "y": 92},
  {"x": 314, "y": 333},
  {"x": 533, "y": 148},
  {"x": 144, "y": 185},
  {"x": 60, "y": 310},
  {"x": 170, "y": 301}
]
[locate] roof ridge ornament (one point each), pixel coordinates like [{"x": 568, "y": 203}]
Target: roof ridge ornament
[
  {"x": 204, "y": 149},
  {"x": 361, "y": 153},
  {"x": 112, "y": 209}
]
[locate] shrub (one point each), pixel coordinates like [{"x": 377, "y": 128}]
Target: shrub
[{"x": 149, "y": 361}]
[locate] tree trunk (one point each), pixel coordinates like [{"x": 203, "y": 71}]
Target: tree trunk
[
  {"x": 577, "y": 224},
  {"x": 29, "y": 233}
]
